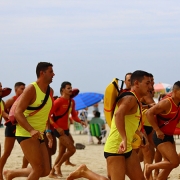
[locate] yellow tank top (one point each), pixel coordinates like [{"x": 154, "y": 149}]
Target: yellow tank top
[
  {"x": 38, "y": 120},
  {"x": 114, "y": 139},
  {"x": 1, "y": 108},
  {"x": 136, "y": 142},
  {"x": 146, "y": 122}
]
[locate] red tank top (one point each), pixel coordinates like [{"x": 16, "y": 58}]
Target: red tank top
[
  {"x": 15, "y": 97},
  {"x": 172, "y": 119}
]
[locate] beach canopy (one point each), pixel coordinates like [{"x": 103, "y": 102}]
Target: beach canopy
[
  {"x": 87, "y": 99},
  {"x": 162, "y": 87}
]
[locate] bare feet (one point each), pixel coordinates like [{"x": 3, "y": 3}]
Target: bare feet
[
  {"x": 78, "y": 173},
  {"x": 54, "y": 176},
  {"x": 69, "y": 163},
  {"x": 58, "y": 171},
  {"x": 147, "y": 172},
  {"x": 7, "y": 175}
]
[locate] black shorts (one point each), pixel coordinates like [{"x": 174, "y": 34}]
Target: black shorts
[
  {"x": 20, "y": 139},
  {"x": 10, "y": 131},
  {"x": 148, "y": 129},
  {"x": 126, "y": 155},
  {"x": 55, "y": 132},
  {"x": 167, "y": 138}
]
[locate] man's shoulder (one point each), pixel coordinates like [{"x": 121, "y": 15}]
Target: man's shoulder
[{"x": 95, "y": 120}]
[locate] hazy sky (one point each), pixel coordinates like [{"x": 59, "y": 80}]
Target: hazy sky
[{"x": 89, "y": 42}]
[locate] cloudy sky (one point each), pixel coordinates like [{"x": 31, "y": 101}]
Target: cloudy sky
[{"x": 89, "y": 42}]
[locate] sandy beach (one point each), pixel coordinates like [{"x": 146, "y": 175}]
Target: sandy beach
[{"x": 92, "y": 156}]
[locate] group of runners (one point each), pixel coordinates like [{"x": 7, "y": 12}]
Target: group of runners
[
  {"x": 141, "y": 130},
  {"x": 36, "y": 130}
]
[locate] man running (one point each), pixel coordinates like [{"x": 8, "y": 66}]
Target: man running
[
  {"x": 118, "y": 149},
  {"x": 10, "y": 129},
  {"x": 167, "y": 113},
  {"x": 2, "y": 108},
  {"x": 63, "y": 107},
  {"x": 30, "y": 128}
]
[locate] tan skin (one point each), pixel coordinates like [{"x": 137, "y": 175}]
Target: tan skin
[
  {"x": 118, "y": 166},
  {"x": 125, "y": 107},
  {"x": 31, "y": 147},
  {"x": 128, "y": 81},
  {"x": 9, "y": 141},
  {"x": 147, "y": 152},
  {"x": 66, "y": 143},
  {"x": 167, "y": 149},
  {"x": 5, "y": 116}
]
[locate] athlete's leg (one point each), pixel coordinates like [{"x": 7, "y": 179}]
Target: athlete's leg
[
  {"x": 83, "y": 172},
  {"x": 157, "y": 158},
  {"x": 62, "y": 150},
  {"x": 68, "y": 160},
  {"x": 171, "y": 161},
  {"x": 37, "y": 155},
  {"x": 135, "y": 172},
  {"x": 116, "y": 167},
  {"x": 65, "y": 144},
  {"x": 8, "y": 146},
  {"x": 24, "y": 162}
]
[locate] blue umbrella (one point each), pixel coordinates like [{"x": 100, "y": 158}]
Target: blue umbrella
[{"x": 87, "y": 99}]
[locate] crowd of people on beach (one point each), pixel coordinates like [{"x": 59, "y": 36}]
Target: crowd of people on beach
[{"x": 141, "y": 130}]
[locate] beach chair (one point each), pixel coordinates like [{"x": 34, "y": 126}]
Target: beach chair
[
  {"x": 77, "y": 127},
  {"x": 95, "y": 130}
]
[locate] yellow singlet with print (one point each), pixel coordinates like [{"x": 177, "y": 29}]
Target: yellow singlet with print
[
  {"x": 1, "y": 108},
  {"x": 38, "y": 120},
  {"x": 114, "y": 139}
]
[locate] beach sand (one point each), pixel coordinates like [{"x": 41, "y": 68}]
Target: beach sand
[{"x": 92, "y": 156}]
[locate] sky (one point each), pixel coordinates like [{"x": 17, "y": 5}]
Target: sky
[{"x": 89, "y": 42}]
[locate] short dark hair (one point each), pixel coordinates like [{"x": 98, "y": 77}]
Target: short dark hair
[
  {"x": 138, "y": 75},
  {"x": 150, "y": 75},
  {"x": 97, "y": 114},
  {"x": 63, "y": 85},
  {"x": 42, "y": 66},
  {"x": 17, "y": 84},
  {"x": 176, "y": 85},
  {"x": 129, "y": 73}
]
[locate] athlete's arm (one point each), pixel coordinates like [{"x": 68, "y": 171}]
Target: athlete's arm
[
  {"x": 125, "y": 107},
  {"x": 4, "y": 113},
  {"x": 75, "y": 116},
  {"x": 27, "y": 98},
  {"x": 9, "y": 103},
  {"x": 149, "y": 99},
  {"x": 162, "y": 107}
]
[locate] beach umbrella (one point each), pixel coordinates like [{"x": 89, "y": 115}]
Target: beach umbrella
[
  {"x": 162, "y": 87},
  {"x": 87, "y": 99}
]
